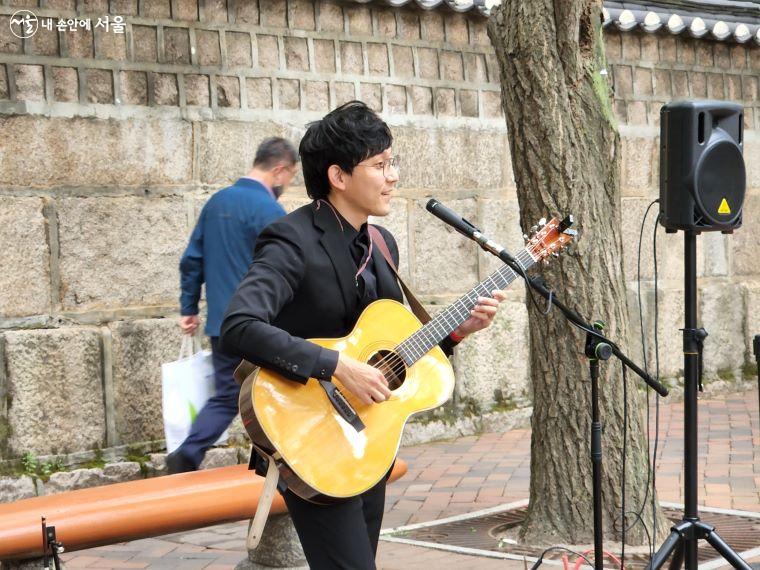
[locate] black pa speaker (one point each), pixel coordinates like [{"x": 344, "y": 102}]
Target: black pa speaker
[{"x": 702, "y": 173}]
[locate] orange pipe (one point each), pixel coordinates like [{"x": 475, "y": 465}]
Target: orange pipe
[{"x": 136, "y": 509}]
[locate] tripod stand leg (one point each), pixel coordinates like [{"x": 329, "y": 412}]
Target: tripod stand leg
[
  {"x": 728, "y": 553},
  {"x": 674, "y": 540}
]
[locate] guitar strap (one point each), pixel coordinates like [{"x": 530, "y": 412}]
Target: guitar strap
[{"x": 417, "y": 308}]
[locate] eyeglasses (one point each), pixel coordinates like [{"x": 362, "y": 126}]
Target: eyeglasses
[{"x": 385, "y": 165}]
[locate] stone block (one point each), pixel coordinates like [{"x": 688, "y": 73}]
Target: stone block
[
  {"x": 733, "y": 87},
  {"x": 631, "y": 47},
  {"x": 704, "y": 54},
  {"x": 122, "y": 471},
  {"x": 715, "y": 84},
  {"x": 445, "y": 103},
  {"x": 623, "y": 80},
  {"x": 65, "y": 481},
  {"x": 649, "y": 48},
  {"x": 698, "y": 84},
  {"x": 149, "y": 234},
  {"x": 479, "y": 33},
  {"x": 9, "y": 42},
  {"x": 30, "y": 82},
  {"x": 491, "y": 104},
  {"x": 744, "y": 242},
  {"x": 207, "y": 46},
  {"x": 188, "y": 9},
  {"x": 220, "y": 457},
  {"x": 408, "y": 22},
  {"x": 457, "y": 30},
  {"x": 65, "y": 84},
  {"x": 422, "y": 100},
  {"x": 274, "y": 13},
  {"x": 45, "y": 42},
  {"x": 316, "y": 96},
  {"x": 268, "y": 52},
  {"x": 302, "y": 14},
  {"x": 475, "y": 68},
  {"x": 165, "y": 91},
  {"x": 227, "y": 148},
  {"x": 449, "y": 156},
  {"x": 613, "y": 47},
  {"x": 637, "y": 165},
  {"x": 289, "y": 93},
  {"x": 395, "y": 97},
  {"x": 55, "y": 390},
  {"x": 157, "y": 9},
  {"x": 215, "y": 11},
  {"x": 177, "y": 45},
  {"x": 386, "y": 23},
  {"x": 324, "y": 56},
  {"x": 721, "y": 313},
  {"x": 246, "y": 12},
  {"x": 713, "y": 252},
  {"x": 61, "y": 4},
  {"x": 110, "y": 45},
  {"x": 197, "y": 90},
  {"x": 403, "y": 61},
  {"x": 749, "y": 88},
  {"x": 330, "y": 17},
  {"x": 351, "y": 60},
  {"x": 139, "y": 349},
  {"x": 99, "y": 86},
  {"x": 239, "y": 49},
  {"x": 637, "y": 113},
  {"x": 497, "y": 358},
  {"x": 372, "y": 95},
  {"x": 444, "y": 261},
  {"x": 432, "y": 26},
  {"x": 428, "y": 62},
  {"x": 670, "y": 320},
  {"x": 662, "y": 82},
  {"x": 25, "y": 279},
  {"x": 686, "y": 51},
  {"x": 500, "y": 220},
  {"x": 15, "y": 489},
  {"x": 494, "y": 74},
  {"x": 80, "y": 44},
  {"x": 145, "y": 43},
  {"x": 752, "y": 312},
  {"x": 122, "y": 7},
  {"x": 377, "y": 59},
  {"x": 4, "y": 93},
  {"x": 451, "y": 66},
  {"x": 468, "y": 103},
  {"x": 344, "y": 92},
  {"x": 667, "y": 49},
  {"x": 134, "y": 87},
  {"x": 279, "y": 547},
  {"x": 359, "y": 20},
  {"x": 95, "y": 152},
  {"x": 259, "y": 91},
  {"x": 296, "y": 54},
  {"x": 397, "y": 222},
  {"x": 227, "y": 91},
  {"x": 642, "y": 81}
]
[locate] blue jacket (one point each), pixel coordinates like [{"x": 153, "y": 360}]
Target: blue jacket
[{"x": 221, "y": 247}]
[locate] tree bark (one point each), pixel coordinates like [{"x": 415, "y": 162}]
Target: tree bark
[{"x": 565, "y": 153}]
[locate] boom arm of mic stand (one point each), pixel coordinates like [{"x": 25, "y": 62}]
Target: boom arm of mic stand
[{"x": 573, "y": 317}]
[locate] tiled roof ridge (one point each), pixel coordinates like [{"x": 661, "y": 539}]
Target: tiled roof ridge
[{"x": 721, "y": 20}]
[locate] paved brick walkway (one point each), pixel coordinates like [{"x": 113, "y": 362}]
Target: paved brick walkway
[{"x": 473, "y": 473}]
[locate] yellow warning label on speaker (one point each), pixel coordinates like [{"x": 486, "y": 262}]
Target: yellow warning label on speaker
[{"x": 723, "y": 208}]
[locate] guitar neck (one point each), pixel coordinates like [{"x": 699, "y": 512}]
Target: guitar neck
[{"x": 420, "y": 343}]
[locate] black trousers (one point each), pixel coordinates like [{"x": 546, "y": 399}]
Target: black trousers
[{"x": 343, "y": 535}]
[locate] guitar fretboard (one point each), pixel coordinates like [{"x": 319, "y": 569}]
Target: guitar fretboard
[{"x": 420, "y": 343}]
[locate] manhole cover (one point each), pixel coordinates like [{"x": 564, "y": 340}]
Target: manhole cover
[{"x": 482, "y": 534}]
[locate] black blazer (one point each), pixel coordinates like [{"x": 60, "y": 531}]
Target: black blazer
[{"x": 300, "y": 285}]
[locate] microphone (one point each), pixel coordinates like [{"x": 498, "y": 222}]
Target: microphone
[{"x": 451, "y": 218}]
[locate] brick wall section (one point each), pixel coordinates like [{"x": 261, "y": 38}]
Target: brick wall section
[{"x": 112, "y": 144}]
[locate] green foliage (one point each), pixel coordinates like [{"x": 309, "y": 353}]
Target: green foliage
[{"x": 33, "y": 467}]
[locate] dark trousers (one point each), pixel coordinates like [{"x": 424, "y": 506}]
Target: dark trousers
[
  {"x": 219, "y": 411},
  {"x": 343, "y": 535}
]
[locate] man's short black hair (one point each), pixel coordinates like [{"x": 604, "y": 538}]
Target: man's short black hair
[
  {"x": 345, "y": 136},
  {"x": 274, "y": 150}
]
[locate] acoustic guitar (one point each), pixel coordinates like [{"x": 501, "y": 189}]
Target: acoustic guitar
[{"x": 327, "y": 444}]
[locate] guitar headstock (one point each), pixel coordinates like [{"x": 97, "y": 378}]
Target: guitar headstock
[{"x": 550, "y": 238}]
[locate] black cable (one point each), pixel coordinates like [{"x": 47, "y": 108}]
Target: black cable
[
  {"x": 625, "y": 445},
  {"x": 541, "y": 556},
  {"x": 657, "y": 398}
]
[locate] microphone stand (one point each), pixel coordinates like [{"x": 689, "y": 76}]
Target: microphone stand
[{"x": 598, "y": 347}]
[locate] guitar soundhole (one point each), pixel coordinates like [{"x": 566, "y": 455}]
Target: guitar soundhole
[{"x": 391, "y": 365}]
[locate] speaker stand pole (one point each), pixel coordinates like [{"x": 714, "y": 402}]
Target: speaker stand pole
[{"x": 685, "y": 535}]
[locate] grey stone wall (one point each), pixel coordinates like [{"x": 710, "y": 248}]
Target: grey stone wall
[{"x": 111, "y": 144}]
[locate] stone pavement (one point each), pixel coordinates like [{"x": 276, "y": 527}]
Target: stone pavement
[{"x": 472, "y": 473}]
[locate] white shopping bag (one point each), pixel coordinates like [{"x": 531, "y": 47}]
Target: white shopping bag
[{"x": 186, "y": 384}]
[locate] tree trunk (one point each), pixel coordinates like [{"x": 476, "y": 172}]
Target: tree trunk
[{"x": 565, "y": 153}]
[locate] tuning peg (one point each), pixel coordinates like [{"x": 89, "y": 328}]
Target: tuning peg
[
  {"x": 545, "y": 261},
  {"x": 526, "y": 237},
  {"x": 555, "y": 254},
  {"x": 542, "y": 222},
  {"x": 534, "y": 229}
]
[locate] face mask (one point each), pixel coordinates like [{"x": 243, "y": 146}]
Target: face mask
[{"x": 277, "y": 191}]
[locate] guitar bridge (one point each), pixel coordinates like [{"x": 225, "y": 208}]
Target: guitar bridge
[{"x": 341, "y": 405}]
